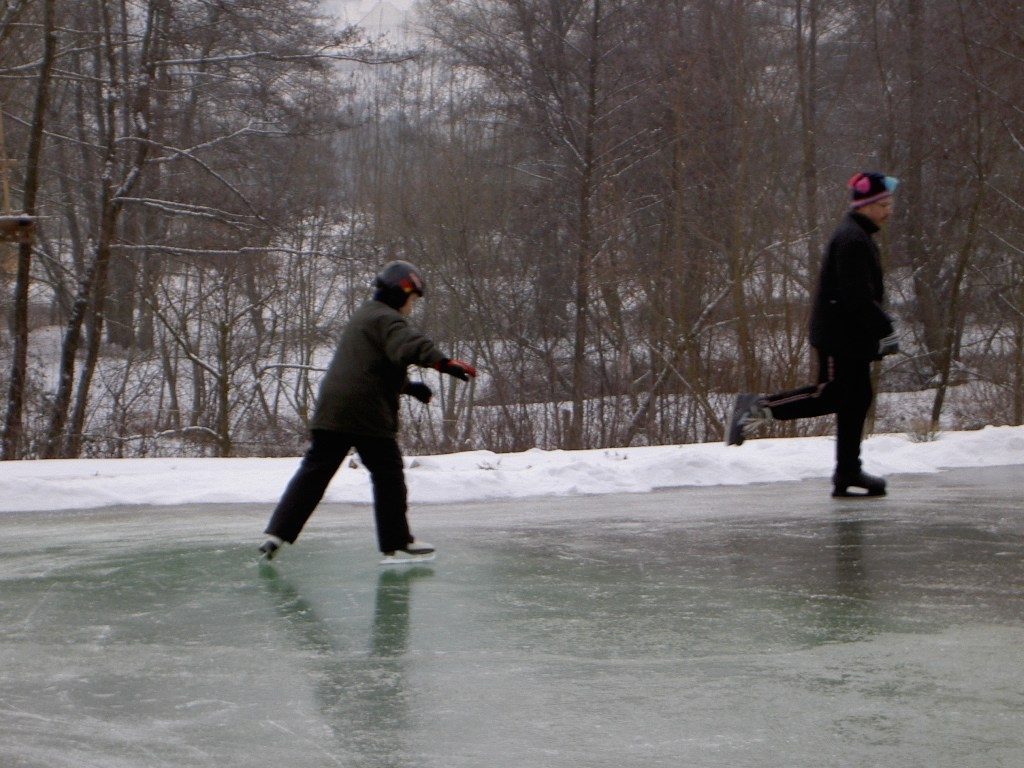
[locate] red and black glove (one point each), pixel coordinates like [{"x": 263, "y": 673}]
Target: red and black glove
[
  {"x": 456, "y": 368},
  {"x": 419, "y": 390}
]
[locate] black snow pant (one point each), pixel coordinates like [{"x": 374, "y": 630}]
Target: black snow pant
[
  {"x": 327, "y": 450},
  {"x": 843, "y": 388}
]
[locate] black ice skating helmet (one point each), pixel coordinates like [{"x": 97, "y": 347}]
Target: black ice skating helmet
[{"x": 396, "y": 281}]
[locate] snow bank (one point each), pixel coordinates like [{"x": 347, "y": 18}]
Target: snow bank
[{"x": 479, "y": 475}]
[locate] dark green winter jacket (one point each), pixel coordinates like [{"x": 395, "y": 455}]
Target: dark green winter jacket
[{"x": 359, "y": 393}]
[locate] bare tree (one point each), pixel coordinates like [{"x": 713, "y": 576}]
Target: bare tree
[
  {"x": 13, "y": 415},
  {"x": 562, "y": 73}
]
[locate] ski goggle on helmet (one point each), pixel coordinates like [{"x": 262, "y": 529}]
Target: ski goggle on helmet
[{"x": 400, "y": 276}]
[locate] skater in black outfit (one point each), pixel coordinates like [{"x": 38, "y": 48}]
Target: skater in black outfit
[
  {"x": 848, "y": 330},
  {"x": 357, "y": 407}
]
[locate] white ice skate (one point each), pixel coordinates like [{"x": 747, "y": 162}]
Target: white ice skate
[{"x": 414, "y": 552}]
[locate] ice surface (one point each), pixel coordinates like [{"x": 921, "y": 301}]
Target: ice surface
[{"x": 720, "y": 626}]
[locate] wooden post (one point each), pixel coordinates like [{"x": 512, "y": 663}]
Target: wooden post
[{"x": 14, "y": 227}]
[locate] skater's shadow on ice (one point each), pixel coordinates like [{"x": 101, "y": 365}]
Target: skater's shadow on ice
[
  {"x": 851, "y": 575},
  {"x": 846, "y": 610},
  {"x": 362, "y": 695},
  {"x": 390, "y": 636}
]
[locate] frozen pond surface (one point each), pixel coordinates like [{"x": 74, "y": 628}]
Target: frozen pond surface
[{"x": 746, "y": 626}]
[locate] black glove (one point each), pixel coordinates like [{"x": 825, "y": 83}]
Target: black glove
[
  {"x": 419, "y": 390},
  {"x": 456, "y": 368},
  {"x": 889, "y": 345}
]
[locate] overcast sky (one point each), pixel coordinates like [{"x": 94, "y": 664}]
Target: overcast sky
[{"x": 357, "y": 8}]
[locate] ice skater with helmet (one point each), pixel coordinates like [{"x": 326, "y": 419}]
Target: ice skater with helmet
[
  {"x": 357, "y": 407},
  {"x": 848, "y": 330}
]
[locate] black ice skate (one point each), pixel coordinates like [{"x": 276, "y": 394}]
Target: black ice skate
[
  {"x": 414, "y": 552},
  {"x": 842, "y": 482},
  {"x": 747, "y": 414},
  {"x": 270, "y": 546}
]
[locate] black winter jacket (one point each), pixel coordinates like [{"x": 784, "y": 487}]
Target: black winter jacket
[
  {"x": 359, "y": 393},
  {"x": 847, "y": 319}
]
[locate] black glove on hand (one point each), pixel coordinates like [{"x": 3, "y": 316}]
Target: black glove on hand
[
  {"x": 889, "y": 345},
  {"x": 419, "y": 390},
  {"x": 456, "y": 368}
]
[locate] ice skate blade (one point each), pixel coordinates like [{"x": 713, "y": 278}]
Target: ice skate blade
[
  {"x": 404, "y": 558},
  {"x": 269, "y": 550},
  {"x": 848, "y": 494}
]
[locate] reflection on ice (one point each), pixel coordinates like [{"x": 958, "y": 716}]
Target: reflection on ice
[{"x": 362, "y": 698}]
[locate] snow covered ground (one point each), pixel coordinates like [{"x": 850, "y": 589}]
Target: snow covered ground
[{"x": 482, "y": 475}]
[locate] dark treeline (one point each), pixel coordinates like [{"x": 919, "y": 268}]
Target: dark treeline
[{"x": 619, "y": 206}]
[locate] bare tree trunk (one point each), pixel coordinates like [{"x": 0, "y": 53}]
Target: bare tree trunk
[
  {"x": 736, "y": 243},
  {"x": 1018, "y": 361},
  {"x": 224, "y": 444},
  {"x": 11, "y": 448},
  {"x": 807, "y": 70},
  {"x": 947, "y": 353},
  {"x": 92, "y": 287},
  {"x": 585, "y": 256},
  {"x": 93, "y": 336},
  {"x": 53, "y": 446},
  {"x": 924, "y": 271}
]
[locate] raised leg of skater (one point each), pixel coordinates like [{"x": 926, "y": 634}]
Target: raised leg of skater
[{"x": 819, "y": 399}]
